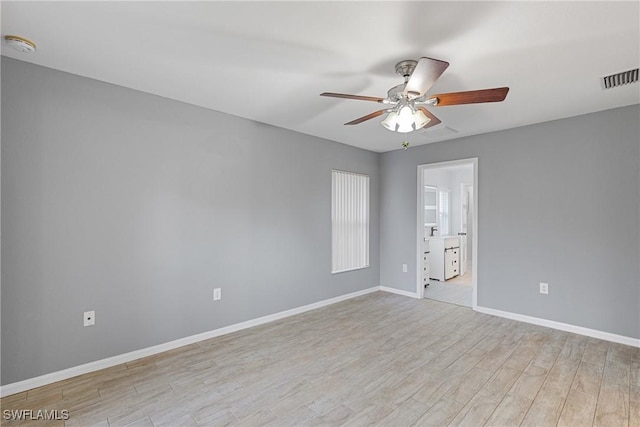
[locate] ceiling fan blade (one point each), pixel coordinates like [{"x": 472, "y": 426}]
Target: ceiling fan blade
[
  {"x": 472, "y": 97},
  {"x": 434, "y": 120},
  {"x": 424, "y": 76},
  {"x": 367, "y": 117},
  {"x": 357, "y": 97}
]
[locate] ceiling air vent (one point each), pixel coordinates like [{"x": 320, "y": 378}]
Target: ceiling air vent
[
  {"x": 615, "y": 80},
  {"x": 440, "y": 132}
]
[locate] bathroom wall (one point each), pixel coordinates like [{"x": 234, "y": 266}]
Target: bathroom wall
[{"x": 450, "y": 178}]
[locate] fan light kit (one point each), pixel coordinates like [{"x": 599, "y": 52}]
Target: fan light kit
[
  {"x": 407, "y": 102},
  {"x": 406, "y": 119},
  {"x": 20, "y": 44}
]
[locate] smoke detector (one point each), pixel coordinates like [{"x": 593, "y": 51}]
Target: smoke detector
[{"x": 20, "y": 44}]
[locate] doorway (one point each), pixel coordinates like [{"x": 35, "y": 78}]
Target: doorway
[{"x": 447, "y": 231}]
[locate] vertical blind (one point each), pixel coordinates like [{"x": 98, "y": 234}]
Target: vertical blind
[{"x": 349, "y": 221}]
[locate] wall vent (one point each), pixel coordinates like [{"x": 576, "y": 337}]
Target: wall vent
[{"x": 619, "y": 79}]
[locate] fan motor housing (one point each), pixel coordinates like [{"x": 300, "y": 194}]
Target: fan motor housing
[{"x": 405, "y": 68}]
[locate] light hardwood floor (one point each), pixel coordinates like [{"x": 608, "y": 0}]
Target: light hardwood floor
[{"x": 380, "y": 359}]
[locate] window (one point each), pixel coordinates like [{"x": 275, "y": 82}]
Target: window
[
  {"x": 443, "y": 212},
  {"x": 349, "y": 221},
  {"x": 430, "y": 206}
]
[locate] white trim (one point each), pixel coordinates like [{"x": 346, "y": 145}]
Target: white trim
[
  {"x": 473, "y": 161},
  {"x": 474, "y": 235},
  {"x": 607, "y": 336},
  {"x": 53, "y": 377},
  {"x": 420, "y": 232},
  {"x": 399, "y": 292},
  {"x": 64, "y": 374}
]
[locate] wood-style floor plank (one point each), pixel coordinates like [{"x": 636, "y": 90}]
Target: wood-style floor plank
[
  {"x": 380, "y": 359},
  {"x": 614, "y": 398}
]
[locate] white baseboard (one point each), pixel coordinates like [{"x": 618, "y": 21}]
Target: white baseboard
[
  {"x": 607, "y": 336},
  {"x": 64, "y": 374},
  {"x": 399, "y": 292}
]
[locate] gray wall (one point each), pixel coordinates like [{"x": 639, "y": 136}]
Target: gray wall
[
  {"x": 559, "y": 202},
  {"x": 138, "y": 206}
]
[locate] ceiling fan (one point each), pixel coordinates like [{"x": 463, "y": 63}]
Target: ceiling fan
[{"x": 407, "y": 102}]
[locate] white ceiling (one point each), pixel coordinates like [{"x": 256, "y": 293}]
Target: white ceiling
[{"x": 269, "y": 61}]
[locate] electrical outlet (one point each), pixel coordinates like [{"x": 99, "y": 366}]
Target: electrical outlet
[
  {"x": 217, "y": 294},
  {"x": 89, "y": 318},
  {"x": 404, "y": 268},
  {"x": 544, "y": 288}
]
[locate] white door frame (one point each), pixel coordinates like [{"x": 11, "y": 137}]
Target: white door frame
[{"x": 474, "y": 224}]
